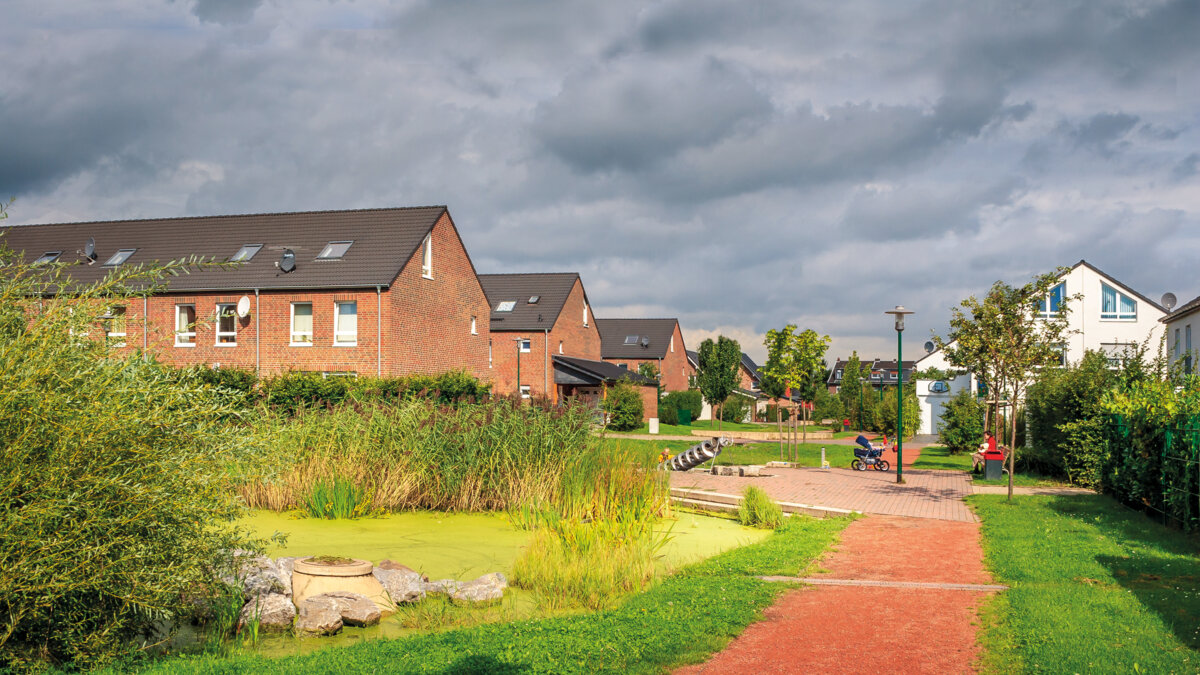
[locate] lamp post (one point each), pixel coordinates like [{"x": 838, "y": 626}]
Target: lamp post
[{"x": 899, "y": 313}]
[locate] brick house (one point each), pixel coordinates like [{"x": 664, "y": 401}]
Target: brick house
[
  {"x": 632, "y": 342},
  {"x": 379, "y": 291}
]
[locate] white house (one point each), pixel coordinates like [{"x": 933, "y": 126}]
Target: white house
[
  {"x": 1178, "y": 325},
  {"x": 1108, "y": 316}
]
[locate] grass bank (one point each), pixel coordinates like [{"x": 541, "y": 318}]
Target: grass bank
[
  {"x": 681, "y": 620},
  {"x": 737, "y": 455},
  {"x": 1095, "y": 587}
]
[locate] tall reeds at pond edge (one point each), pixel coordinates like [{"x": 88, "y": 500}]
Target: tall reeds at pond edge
[{"x": 490, "y": 456}]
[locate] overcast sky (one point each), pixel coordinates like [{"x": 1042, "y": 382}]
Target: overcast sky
[{"x": 737, "y": 165}]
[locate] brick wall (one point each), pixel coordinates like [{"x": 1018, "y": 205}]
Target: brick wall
[
  {"x": 537, "y": 370},
  {"x": 425, "y": 323}
]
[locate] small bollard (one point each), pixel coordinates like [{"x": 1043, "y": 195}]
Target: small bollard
[{"x": 824, "y": 464}]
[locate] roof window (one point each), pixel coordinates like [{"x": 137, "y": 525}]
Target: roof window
[
  {"x": 506, "y": 306},
  {"x": 246, "y": 252},
  {"x": 334, "y": 250},
  {"x": 533, "y": 299},
  {"x": 631, "y": 339},
  {"x": 47, "y": 257},
  {"x": 120, "y": 257}
]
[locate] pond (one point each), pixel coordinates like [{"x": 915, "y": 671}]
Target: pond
[{"x": 453, "y": 545}]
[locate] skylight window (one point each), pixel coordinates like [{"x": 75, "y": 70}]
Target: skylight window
[
  {"x": 506, "y": 306},
  {"x": 246, "y": 252},
  {"x": 334, "y": 250},
  {"x": 47, "y": 257},
  {"x": 631, "y": 339},
  {"x": 533, "y": 299},
  {"x": 120, "y": 257}
]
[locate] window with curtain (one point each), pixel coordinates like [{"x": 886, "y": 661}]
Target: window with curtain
[{"x": 1115, "y": 305}]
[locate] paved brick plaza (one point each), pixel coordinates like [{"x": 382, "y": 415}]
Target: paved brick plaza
[{"x": 926, "y": 494}]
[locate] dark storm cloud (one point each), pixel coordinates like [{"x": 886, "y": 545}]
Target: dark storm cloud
[{"x": 739, "y": 165}]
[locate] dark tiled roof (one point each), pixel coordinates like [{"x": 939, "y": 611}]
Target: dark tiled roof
[
  {"x": 694, "y": 357},
  {"x": 749, "y": 364},
  {"x": 384, "y": 240},
  {"x": 657, "y": 332},
  {"x": 551, "y": 290},
  {"x": 867, "y": 368},
  {"x": 603, "y": 370}
]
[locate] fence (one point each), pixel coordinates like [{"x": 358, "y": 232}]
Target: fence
[{"x": 1155, "y": 467}]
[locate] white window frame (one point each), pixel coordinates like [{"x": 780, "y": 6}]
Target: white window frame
[
  {"x": 525, "y": 345},
  {"x": 474, "y": 328},
  {"x": 292, "y": 341},
  {"x": 190, "y": 333},
  {"x": 231, "y": 311},
  {"x": 427, "y": 257},
  {"x": 1118, "y": 314},
  {"x": 560, "y": 346},
  {"x": 585, "y": 314},
  {"x": 1044, "y": 304},
  {"x": 672, "y": 344},
  {"x": 339, "y": 334},
  {"x": 118, "y": 339},
  {"x": 117, "y": 259},
  {"x": 526, "y": 392}
]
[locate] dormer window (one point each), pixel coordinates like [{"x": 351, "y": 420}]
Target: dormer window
[
  {"x": 120, "y": 257},
  {"x": 1048, "y": 306},
  {"x": 246, "y": 252},
  {"x": 47, "y": 257},
  {"x": 334, "y": 250},
  {"x": 506, "y": 306},
  {"x": 1115, "y": 305}
]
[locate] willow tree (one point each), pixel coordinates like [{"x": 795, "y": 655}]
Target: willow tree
[{"x": 1007, "y": 336}]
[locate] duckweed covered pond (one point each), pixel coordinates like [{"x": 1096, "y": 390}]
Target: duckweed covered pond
[{"x": 454, "y": 545}]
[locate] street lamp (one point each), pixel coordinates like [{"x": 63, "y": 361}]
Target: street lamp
[{"x": 899, "y": 313}]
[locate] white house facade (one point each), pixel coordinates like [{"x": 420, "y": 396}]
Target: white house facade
[
  {"x": 1108, "y": 317},
  {"x": 1181, "y": 326}
]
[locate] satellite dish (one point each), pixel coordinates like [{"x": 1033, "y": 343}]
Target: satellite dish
[
  {"x": 287, "y": 263},
  {"x": 1168, "y": 301},
  {"x": 929, "y": 346},
  {"x": 243, "y": 307},
  {"x": 645, "y": 343},
  {"x": 89, "y": 250}
]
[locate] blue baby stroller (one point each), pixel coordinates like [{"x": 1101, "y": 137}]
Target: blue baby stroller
[{"x": 868, "y": 456}]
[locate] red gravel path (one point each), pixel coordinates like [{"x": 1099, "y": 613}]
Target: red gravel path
[{"x": 851, "y": 629}]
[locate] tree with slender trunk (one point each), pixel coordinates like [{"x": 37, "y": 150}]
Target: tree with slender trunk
[
  {"x": 1005, "y": 337},
  {"x": 718, "y": 371}
]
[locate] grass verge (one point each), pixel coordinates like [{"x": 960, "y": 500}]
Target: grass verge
[
  {"x": 738, "y": 455},
  {"x": 682, "y": 620},
  {"x": 1095, "y": 587}
]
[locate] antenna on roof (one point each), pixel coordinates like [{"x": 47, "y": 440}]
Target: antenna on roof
[
  {"x": 929, "y": 346},
  {"x": 287, "y": 262},
  {"x": 89, "y": 250},
  {"x": 1168, "y": 301}
]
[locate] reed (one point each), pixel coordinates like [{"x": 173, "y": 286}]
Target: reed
[{"x": 758, "y": 510}]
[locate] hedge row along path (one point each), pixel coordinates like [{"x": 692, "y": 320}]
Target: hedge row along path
[{"x": 916, "y": 613}]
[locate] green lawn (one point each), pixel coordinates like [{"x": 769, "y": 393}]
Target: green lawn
[
  {"x": 682, "y": 620},
  {"x": 754, "y": 453},
  {"x": 939, "y": 458},
  {"x": 1095, "y": 587},
  {"x": 679, "y": 430}
]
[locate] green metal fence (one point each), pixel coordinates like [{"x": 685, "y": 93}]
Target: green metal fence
[{"x": 1156, "y": 467}]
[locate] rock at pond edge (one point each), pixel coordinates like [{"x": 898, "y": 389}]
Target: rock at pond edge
[
  {"x": 275, "y": 612},
  {"x": 354, "y": 609}
]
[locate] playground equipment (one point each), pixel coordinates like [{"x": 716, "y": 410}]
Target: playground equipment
[{"x": 696, "y": 455}]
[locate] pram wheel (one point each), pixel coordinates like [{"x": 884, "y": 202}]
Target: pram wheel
[
  {"x": 857, "y": 465},
  {"x": 882, "y": 465}
]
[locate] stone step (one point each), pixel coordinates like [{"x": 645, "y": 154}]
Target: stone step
[{"x": 725, "y": 502}]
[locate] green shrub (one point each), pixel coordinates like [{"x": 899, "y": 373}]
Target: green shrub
[
  {"x": 885, "y": 414},
  {"x": 668, "y": 415},
  {"x": 674, "y": 401},
  {"x": 962, "y": 423},
  {"x": 784, "y": 413},
  {"x": 292, "y": 391},
  {"x": 337, "y": 498},
  {"x": 1063, "y": 408},
  {"x": 623, "y": 405},
  {"x": 115, "y": 508},
  {"x": 735, "y": 408},
  {"x": 758, "y": 510},
  {"x": 827, "y": 406}
]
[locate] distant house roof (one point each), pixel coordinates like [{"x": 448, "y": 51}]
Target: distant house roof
[
  {"x": 1186, "y": 309},
  {"x": 635, "y": 338},
  {"x": 868, "y": 367},
  {"x": 383, "y": 242},
  {"x": 693, "y": 358},
  {"x": 752, "y": 367},
  {"x": 536, "y": 299},
  {"x": 597, "y": 372}
]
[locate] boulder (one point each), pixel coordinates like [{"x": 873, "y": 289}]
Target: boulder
[
  {"x": 275, "y": 612},
  {"x": 395, "y": 566},
  {"x": 441, "y": 586},
  {"x": 486, "y": 589},
  {"x": 401, "y": 585},
  {"x": 354, "y": 609},
  {"x": 284, "y": 567},
  {"x": 256, "y": 575},
  {"x": 317, "y": 621}
]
